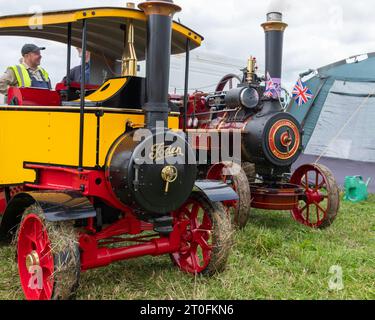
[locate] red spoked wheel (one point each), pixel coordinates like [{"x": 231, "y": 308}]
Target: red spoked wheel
[
  {"x": 320, "y": 204},
  {"x": 47, "y": 257},
  {"x": 206, "y": 236},
  {"x": 235, "y": 176},
  {"x": 35, "y": 259}
]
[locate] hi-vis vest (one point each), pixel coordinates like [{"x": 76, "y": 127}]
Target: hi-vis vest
[{"x": 23, "y": 76}]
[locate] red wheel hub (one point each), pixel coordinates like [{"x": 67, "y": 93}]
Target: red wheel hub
[
  {"x": 196, "y": 225},
  {"x": 312, "y": 211},
  {"x": 313, "y": 196},
  {"x": 35, "y": 259}
]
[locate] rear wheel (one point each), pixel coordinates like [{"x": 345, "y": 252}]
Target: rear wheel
[
  {"x": 233, "y": 175},
  {"x": 48, "y": 257},
  {"x": 206, "y": 237}
]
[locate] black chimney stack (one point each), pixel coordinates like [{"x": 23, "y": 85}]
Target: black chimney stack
[
  {"x": 159, "y": 27},
  {"x": 274, "y": 31}
]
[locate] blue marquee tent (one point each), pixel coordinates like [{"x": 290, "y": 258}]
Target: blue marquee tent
[{"x": 339, "y": 122}]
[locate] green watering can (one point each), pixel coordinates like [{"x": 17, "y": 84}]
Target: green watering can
[{"x": 356, "y": 189}]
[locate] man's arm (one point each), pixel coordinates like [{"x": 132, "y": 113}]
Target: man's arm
[
  {"x": 75, "y": 74},
  {"x": 8, "y": 79}
]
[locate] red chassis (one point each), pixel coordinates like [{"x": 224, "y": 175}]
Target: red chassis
[{"x": 93, "y": 245}]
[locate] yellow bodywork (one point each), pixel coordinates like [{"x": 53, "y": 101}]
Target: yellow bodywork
[
  {"x": 51, "y": 136},
  {"x": 107, "y": 90}
]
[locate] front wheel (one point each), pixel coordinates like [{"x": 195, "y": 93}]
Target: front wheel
[
  {"x": 48, "y": 257},
  {"x": 321, "y": 200},
  {"x": 206, "y": 236}
]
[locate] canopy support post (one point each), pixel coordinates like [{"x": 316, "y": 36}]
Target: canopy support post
[
  {"x": 186, "y": 89},
  {"x": 83, "y": 82},
  {"x": 69, "y": 54}
]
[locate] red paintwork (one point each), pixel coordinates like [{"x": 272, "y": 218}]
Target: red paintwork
[
  {"x": 282, "y": 196},
  {"x": 94, "y": 252},
  {"x": 314, "y": 196},
  {"x": 196, "y": 105},
  {"x": 34, "y": 97},
  {"x": 93, "y": 256},
  {"x": 33, "y": 236},
  {"x": 75, "y": 85},
  {"x": 3, "y": 202},
  {"x": 196, "y": 228},
  {"x": 222, "y": 173},
  {"x": 91, "y": 183}
]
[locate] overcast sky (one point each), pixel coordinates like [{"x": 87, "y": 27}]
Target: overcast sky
[{"x": 319, "y": 32}]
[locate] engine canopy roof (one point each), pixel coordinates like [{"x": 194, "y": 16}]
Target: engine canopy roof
[{"x": 105, "y": 29}]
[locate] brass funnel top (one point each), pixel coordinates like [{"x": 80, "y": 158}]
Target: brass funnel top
[
  {"x": 159, "y": 7},
  {"x": 274, "y": 22}
]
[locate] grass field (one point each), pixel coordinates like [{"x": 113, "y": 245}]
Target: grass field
[{"x": 273, "y": 258}]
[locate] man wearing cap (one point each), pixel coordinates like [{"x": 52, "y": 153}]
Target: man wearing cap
[{"x": 27, "y": 74}]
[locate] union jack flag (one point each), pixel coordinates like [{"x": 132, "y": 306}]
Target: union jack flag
[
  {"x": 270, "y": 86},
  {"x": 301, "y": 93}
]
